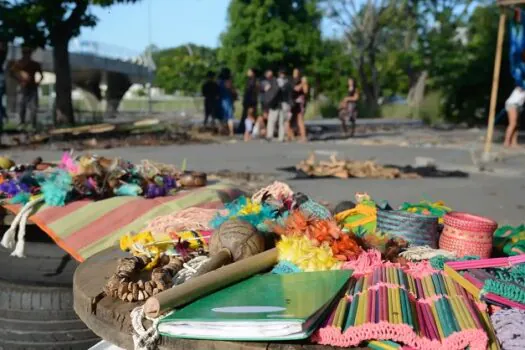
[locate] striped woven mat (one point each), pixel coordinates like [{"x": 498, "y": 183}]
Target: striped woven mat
[{"x": 85, "y": 227}]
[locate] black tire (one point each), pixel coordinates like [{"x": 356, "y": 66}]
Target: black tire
[
  {"x": 36, "y": 301},
  {"x": 39, "y": 317},
  {"x": 44, "y": 264}
]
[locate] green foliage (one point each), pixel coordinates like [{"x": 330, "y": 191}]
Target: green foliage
[
  {"x": 269, "y": 34},
  {"x": 6, "y": 21},
  {"x": 331, "y": 68},
  {"x": 184, "y": 68},
  {"x": 465, "y": 78}
]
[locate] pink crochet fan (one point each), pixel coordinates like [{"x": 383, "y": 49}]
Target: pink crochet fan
[{"x": 423, "y": 311}]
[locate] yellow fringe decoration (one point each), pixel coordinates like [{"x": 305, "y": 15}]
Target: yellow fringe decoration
[{"x": 300, "y": 251}]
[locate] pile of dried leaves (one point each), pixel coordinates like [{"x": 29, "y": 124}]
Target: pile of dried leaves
[{"x": 347, "y": 168}]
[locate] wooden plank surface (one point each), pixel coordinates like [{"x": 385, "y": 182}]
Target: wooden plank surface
[{"x": 110, "y": 318}]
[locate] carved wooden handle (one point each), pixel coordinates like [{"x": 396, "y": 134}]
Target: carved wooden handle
[
  {"x": 201, "y": 285},
  {"x": 223, "y": 257}
]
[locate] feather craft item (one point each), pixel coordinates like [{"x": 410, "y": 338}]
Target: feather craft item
[
  {"x": 21, "y": 198},
  {"x": 68, "y": 163},
  {"x": 243, "y": 208},
  {"x": 128, "y": 190},
  {"x": 57, "y": 187}
]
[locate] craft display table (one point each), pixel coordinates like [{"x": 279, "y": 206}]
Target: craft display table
[{"x": 110, "y": 318}]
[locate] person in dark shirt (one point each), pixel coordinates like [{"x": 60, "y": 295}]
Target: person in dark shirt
[
  {"x": 25, "y": 71},
  {"x": 299, "y": 96},
  {"x": 227, "y": 97},
  {"x": 272, "y": 100},
  {"x": 210, "y": 91},
  {"x": 250, "y": 97}
]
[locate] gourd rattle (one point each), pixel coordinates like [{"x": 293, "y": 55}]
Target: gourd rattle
[{"x": 236, "y": 241}]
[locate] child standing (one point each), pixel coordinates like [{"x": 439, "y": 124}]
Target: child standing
[{"x": 249, "y": 124}]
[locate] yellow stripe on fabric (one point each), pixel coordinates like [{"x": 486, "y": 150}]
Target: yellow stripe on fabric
[
  {"x": 210, "y": 194},
  {"x": 79, "y": 219}
]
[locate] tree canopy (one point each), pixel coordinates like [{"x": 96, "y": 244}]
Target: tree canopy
[
  {"x": 269, "y": 34},
  {"x": 184, "y": 68},
  {"x": 54, "y": 23}
]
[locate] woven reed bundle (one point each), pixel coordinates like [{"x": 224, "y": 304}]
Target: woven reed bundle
[{"x": 417, "y": 229}]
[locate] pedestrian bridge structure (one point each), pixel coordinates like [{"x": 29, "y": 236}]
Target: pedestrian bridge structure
[{"x": 93, "y": 65}]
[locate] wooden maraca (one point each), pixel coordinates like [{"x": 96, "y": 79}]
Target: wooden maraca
[{"x": 235, "y": 240}]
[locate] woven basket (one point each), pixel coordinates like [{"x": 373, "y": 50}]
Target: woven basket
[
  {"x": 416, "y": 229},
  {"x": 467, "y": 234}
]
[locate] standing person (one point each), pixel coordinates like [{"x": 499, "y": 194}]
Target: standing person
[
  {"x": 514, "y": 103},
  {"x": 25, "y": 71},
  {"x": 3, "y": 56},
  {"x": 210, "y": 92},
  {"x": 250, "y": 96},
  {"x": 300, "y": 93},
  {"x": 286, "y": 98},
  {"x": 348, "y": 107},
  {"x": 227, "y": 96},
  {"x": 250, "y": 125},
  {"x": 272, "y": 100}
]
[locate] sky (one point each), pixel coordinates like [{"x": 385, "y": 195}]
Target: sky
[{"x": 173, "y": 22}]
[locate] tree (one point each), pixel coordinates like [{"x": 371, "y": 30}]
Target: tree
[
  {"x": 184, "y": 68},
  {"x": 365, "y": 29},
  {"x": 266, "y": 34},
  {"x": 331, "y": 68},
  {"x": 6, "y": 20},
  {"x": 466, "y": 81},
  {"x": 57, "y": 22}
]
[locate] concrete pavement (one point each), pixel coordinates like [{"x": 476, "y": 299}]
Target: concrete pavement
[{"x": 500, "y": 194}]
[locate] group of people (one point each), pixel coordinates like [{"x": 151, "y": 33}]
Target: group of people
[
  {"x": 28, "y": 74},
  {"x": 282, "y": 103}
]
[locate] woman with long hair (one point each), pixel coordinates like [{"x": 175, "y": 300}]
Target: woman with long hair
[
  {"x": 348, "y": 107},
  {"x": 300, "y": 94}
]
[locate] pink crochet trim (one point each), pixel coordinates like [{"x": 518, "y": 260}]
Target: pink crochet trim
[
  {"x": 420, "y": 269},
  {"x": 189, "y": 219},
  {"x": 366, "y": 263},
  {"x": 474, "y": 338},
  {"x": 278, "y": 190}
]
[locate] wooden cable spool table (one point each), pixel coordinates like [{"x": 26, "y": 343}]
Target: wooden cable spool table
[{"x": 110, "y": 318}]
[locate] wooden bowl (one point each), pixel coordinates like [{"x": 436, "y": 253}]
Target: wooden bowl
[{"x": 193, "y": 179}]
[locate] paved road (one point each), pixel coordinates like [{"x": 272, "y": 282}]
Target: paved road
[{"x": 500, "y": 194}]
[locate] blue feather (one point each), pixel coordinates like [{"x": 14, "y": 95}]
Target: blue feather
[
  {"x": 21, "y": 198},
  {"x": 128, "y": 190},
  {"x": 258, "y": 220},
  {"x": 56, "y": 188}
]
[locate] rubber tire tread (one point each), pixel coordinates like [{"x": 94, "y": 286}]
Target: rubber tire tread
[
  {"x": 44, "y": 264},
  {"x": 40, "y": 317}
]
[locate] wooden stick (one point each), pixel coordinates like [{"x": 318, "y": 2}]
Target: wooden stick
[
  {"x": 495, "y": 83},
  {"x": 223, "y": 257},
  {"x": 209, "y": 282}
]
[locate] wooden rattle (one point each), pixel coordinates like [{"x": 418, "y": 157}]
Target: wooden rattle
[{"x": 235, "y": 240}]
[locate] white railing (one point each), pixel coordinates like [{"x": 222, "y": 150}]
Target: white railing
[{"x": 112, "y": 51}]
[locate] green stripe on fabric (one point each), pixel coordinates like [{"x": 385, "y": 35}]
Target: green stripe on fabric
[
  {"x": 208, "y": 195},
  {"x": 75, "y": 221}
]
